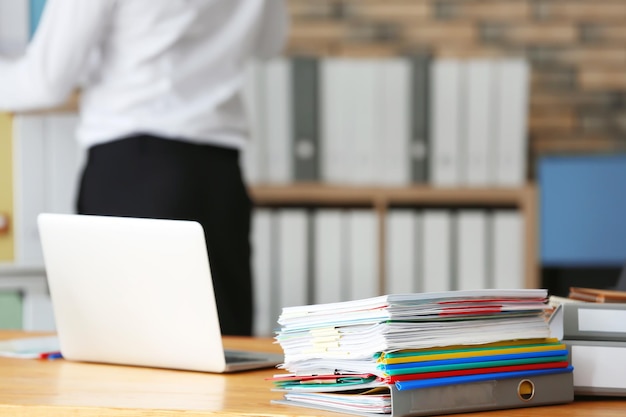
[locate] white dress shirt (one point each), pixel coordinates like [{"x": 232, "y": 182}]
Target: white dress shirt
[{"x": 172, "y": 68}]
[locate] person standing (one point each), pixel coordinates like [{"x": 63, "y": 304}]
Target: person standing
[{"x": 160, "y": 114}]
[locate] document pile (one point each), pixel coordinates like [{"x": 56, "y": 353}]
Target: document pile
[{"x": 423, "y": 354}]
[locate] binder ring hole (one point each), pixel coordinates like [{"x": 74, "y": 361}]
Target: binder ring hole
[{"x": 526, "y": 390}]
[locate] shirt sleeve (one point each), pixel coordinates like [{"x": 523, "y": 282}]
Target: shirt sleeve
[
  {"x": 274, "y": 30},
  {"x": 55, "y": 59}
]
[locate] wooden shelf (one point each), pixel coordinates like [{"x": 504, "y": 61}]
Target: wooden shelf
[
  {"x": 321, "y": 194},
  {"x": 381, "y": 199}
]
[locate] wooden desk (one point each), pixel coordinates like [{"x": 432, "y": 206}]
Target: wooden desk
[{"x": 61, "y": 388}]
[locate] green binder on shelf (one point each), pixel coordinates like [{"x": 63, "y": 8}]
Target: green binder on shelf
[{"x": 11, "y": 316}]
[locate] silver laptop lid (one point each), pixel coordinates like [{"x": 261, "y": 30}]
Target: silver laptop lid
[{"x": 132, "y": 291}]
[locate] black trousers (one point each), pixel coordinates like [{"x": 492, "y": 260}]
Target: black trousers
[{"x": 147, "y": 176}]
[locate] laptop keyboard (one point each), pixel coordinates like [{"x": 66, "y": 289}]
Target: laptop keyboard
[{"x": 239, "y": 357}]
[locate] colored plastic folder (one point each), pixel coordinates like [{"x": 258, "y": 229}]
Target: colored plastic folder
[
  {"x": 456, "y": 352},
  {"x": 404, "y": 369},
  {"x": 476, "y": 371},
  {"x": 438, "y": 382}
]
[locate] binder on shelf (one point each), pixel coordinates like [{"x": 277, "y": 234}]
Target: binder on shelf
[
  {"x": 330, "y": 244},
  {"x": 420, "y": 117},
  {"x": 11, "y": 310},
  {"x": 305, "y": 113},
  {"x": 490, "y": 394},
  {"x": 394, "y": 108},
  {"x": 478, "y": 162},
  {"x": 47, "y": 162},
  {"x": 447, "y": 85},
  {"x": 471, "y": 251},
  {"x": 29, "y": 187},
  {"x": 507, "y": 256},
  {"x": 14, "y": 27},
  {"x": 254, "y": 159},
  {"x": 277, "y": 124},
  {"x": 262, "y": 273},
  {"x": 335, "y": 126},
  {"x": 511, "y": 115},
  {"x": 65, "y": 160},
  {"x": 38, "y": 312},
  {"x": 362, "y": 254},
  {"x": 292, "y": 257},
  {"x": 364, "y": 121},
  {"x": 436, "y": 272},
  {"x": 401, "y": 253},
  {"x": 598, "y": 366}
]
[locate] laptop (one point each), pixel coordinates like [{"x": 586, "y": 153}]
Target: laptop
[{"x": 137, "y": 292}]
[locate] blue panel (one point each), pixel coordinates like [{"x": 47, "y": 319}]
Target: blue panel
[
  {"x": 36, "y": 8},
  {"x": 583, "y": 210}
]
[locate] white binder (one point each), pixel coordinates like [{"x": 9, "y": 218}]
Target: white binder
[
  {"x": 512, "y": 121},
  {"x": 277, "y": 123},
  {"x": 292, "y": 257},
  {"x": 436, "y": 270},
  {"x": 471, "y": 253},
  {"x": 478, "y": 160},
  {"x": 508, "y": 250},
  {"x": 329, "y": 256},
  {"x": 401, "y": 254},
  {"x": 446, "y": 122},
  {"x": 363, "y": 254},
  {"x": 265, "y": 314}
]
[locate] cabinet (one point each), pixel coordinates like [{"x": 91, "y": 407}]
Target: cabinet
[{"x": 383, "y": 199}]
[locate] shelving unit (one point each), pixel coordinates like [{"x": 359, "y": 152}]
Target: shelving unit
[{"x": 381, "y": 199}]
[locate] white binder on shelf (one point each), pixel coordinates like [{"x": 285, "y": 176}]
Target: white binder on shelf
[
  {"x": 292, "y": 257},
  {"x": 471, "y": 253},
  {"x": 512, "y": 91},
  {"x": 394, "y": 108},
  {"x": 436, "y": 272},
  {"x": 401, "y": 252},
  {"x": 29, "y": 176},
  {"x": 38, "y": 312},
  {"x": 277, "y": 124},
  {"x": 508, "y": 249},
  {"x": 263, "y": 249},
  {"x": 362, "y": 119},
  {"x": 47, "y": 166},
  {"x": 14, "y": 27},
  {"x": 254, "y": 159},
  {"x": 329, "y": 256},
  {"x": 336, "y": 126},
  {"x": 64, "y": 161},
  {"x": 363, "y": 254},
  {"x": 478, "y": 160},
  {"x": 447, "y": 85}
]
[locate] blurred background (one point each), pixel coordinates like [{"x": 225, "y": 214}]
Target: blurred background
[{"x": 399, "y": 145}]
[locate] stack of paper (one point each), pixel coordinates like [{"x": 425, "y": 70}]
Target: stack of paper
[{"x": 352, "y": 356}]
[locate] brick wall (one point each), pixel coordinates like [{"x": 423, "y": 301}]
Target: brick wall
[{"x": 577, "y": 49}]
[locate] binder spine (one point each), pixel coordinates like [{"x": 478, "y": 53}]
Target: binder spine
[
  {"x": 305, "y": 125},
  {"x": 420, "y": 79},
  {"x": 494, "y": 394}
]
